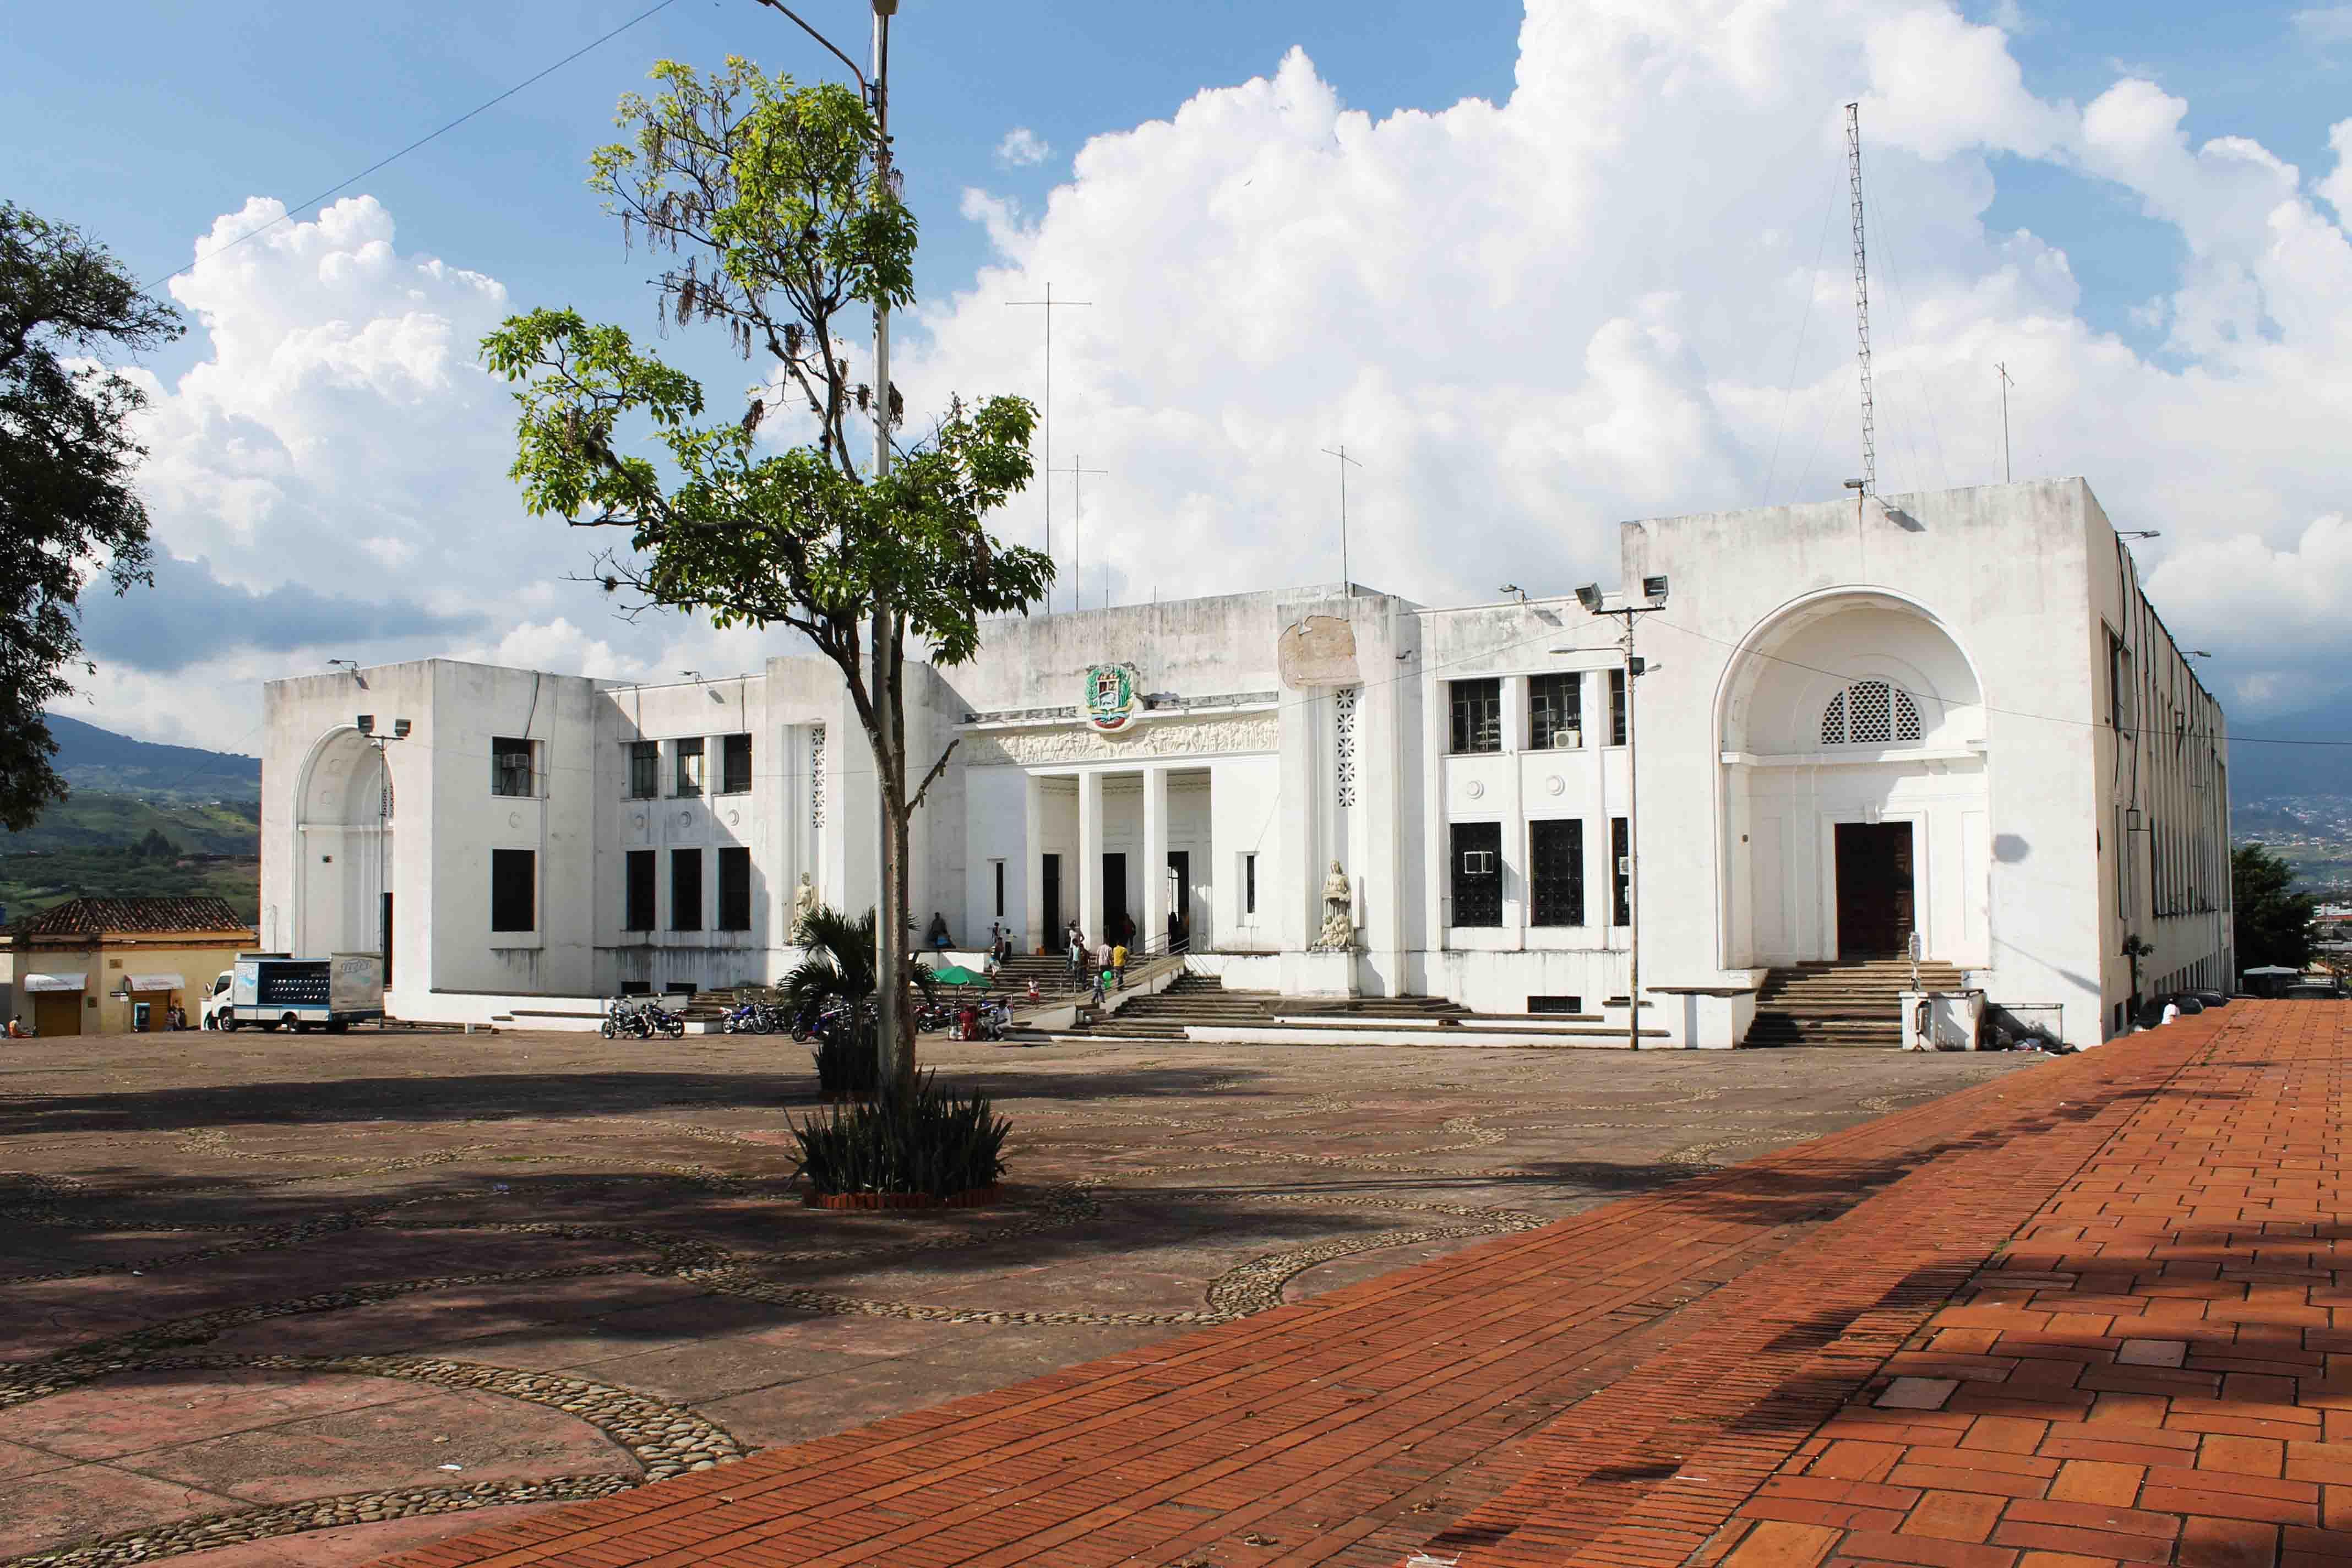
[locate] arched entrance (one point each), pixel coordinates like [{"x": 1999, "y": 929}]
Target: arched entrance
[
  {"x": 1856, "y": 795},
  {"x": 343, "y": 834}
]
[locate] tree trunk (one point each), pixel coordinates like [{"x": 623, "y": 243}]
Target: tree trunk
[{"x": 895, "y": 1020}]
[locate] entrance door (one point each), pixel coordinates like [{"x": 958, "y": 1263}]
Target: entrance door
[
  {"x": 1050, "y": 933},
  {"x": 57, "y": 1011},
  {"x": 1114, "y": 897},
  {"x": 1179, "y": 898},
  {"x": 1874, "y": 888}
]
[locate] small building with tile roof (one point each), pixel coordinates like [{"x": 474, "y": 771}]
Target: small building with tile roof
[{"x": 95, "y": 966}]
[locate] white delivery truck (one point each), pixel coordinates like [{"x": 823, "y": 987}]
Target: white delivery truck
[{"x": 269, "y": 990}]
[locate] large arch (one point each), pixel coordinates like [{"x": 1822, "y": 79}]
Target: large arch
[
  {"x": 1854, "y": 795},
  {"x": 343, "y": 847}
]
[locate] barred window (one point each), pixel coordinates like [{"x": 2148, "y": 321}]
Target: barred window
[
  {"x": 1617, "y": 708},
  {"x": 1477, "y": 873},
  {"x": 1477, "y": 714},
  {"x": 645, "y": 769},
  {"x": 1554, "y": 710},
  {"x": 1870, "y": 713},
  {"x": 510, "y": 765},
  {"x": 1555, "y": 873},
  {"x": 735, "y": 765}
]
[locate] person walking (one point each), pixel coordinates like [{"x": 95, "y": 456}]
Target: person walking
[
  {"x": 1078, "y": 956},
  {"x": 1118, "y": 967}
]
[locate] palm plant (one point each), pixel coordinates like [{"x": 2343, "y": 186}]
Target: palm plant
[{"x": 840, "y": 962}]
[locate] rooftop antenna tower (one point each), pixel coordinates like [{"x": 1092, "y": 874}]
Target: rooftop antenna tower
[
  {"x": 1862, "y": 301},
  {"x": 1077, "y": 506},
  {"x": 2005, "y": 384},
  {"x": 1346, "y": 585},
  {"x": 1050, "y": 303}
]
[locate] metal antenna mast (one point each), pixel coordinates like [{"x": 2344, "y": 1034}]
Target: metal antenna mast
[
  {"x": 1346, "y": 462},
  {"x": 1862, "y": 301},
  {"x": 2005, "y": 384},
  {"x": 1050, "y": 303},
  {"x": 1078, "y": 503}
]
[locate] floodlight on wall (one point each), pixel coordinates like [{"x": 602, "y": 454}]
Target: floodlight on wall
[
  {"x": 2139, "y": 533},
  {"x": 1854, "y": 484},
  {"x": 1590, "y": 597},
  {"x": 1655, "y": 589},
  {"x": 367, "y": 723},
  {"x": 400, "y": 729}
]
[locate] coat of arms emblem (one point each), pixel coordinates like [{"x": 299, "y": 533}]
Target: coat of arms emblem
[{"x": 1111, "y": 700}]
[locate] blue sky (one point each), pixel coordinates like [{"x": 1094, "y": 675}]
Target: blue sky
[{"x": 1615, "y": 287}]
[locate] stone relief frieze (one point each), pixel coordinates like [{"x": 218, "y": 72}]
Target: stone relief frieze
[{"x": 1159, "y": 738}]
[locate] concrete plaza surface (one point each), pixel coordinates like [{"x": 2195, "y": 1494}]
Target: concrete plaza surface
[{"x": 306, "y": 1299}]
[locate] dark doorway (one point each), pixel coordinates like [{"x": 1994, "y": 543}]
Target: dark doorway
[
  {"x": 1180, "y": 899},
  {"x": 1874, "y": 888},
  {"x": 1049, "y": 930},
  {"x": 1113, "y": 899}
]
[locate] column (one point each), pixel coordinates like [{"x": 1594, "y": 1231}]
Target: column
[
  {"x": 1033, "y": 867},
  {"x": 1155, "y": 860},
  {"x": 1090, "y": 878}
]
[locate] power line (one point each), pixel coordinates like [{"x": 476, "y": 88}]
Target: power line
[{"x": 433, "y": 135}]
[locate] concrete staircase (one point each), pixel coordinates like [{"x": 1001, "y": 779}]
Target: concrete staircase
[
  {"x": 1852, "y": 1002},
  {"x": 1188, "y": 999}
]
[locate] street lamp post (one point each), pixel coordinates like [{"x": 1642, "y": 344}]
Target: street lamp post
[{"x": 1654, "y": 591}]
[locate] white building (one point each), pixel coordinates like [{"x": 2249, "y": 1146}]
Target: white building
[{"x": 1951, "y": 713}]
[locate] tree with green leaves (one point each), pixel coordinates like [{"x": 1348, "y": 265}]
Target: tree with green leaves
[
  {"x": 773, "y": 202},
  {"x": 840, "y": 962},
  {"x": 68, "y": 513},
  {"x": 2273, "y": 921}
]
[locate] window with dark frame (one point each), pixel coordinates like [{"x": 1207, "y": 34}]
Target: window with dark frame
[
  {"x": 686, "y": 890},
  {"x": 734, "y": 889},
  {"x": 1477, "y": 714},
  {"x": 645, "y": 769},
  {"x": 689, "y": 767},
  {"x": 999, "y": 887},
  {"x": 1620, "y": 851},
  {"x": 638, "y": 872},
  {"x": 514, "y": 890},
  {"x": 509, "y": 765},
  {"x": 1616, "y": 707},
  {"x": 1477, "y": 873},
  {"x": 1249, "y": 884},
  {"x": 1554, "y": 710},
  {"x": 735, "y": 765},
  {"x": 1555, "y": 873}
]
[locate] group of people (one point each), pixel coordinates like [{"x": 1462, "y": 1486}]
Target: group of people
[{"x": 1105, "y": 963}]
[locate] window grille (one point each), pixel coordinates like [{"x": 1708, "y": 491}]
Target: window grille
[
  {"x": 1555, "y": 710},
  {"x": 1477, "y": 714},
  {"x": 1343, "y": 729},
  {"x": 645, "y": 769},
  {"x": 816, "y": 775},
  {"x": 1555, "y": 873},
  {"x": 689, "y": 767},
  {"x": 1477, "y": 874},
  {"x": 1870, "y": 713}
]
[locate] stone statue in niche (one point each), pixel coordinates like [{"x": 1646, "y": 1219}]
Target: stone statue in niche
[
  {"x": 1339, "y": 914},
  {"x": 803, "y": 903}
]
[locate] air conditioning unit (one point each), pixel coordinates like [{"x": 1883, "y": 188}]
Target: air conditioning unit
[
  {"x": 1567, "y": 739},
  {"x": 520, "y": 760}
]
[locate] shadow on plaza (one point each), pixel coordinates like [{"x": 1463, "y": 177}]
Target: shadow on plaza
[{"x": 510, "y": 1096}]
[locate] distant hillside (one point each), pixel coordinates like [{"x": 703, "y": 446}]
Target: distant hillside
[
  {"x": 2261, "y": 769},
  {"x": 102, "y": 819},
  {"x": 89, "y": 758}
]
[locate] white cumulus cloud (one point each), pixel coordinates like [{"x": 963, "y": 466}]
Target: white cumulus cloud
[
  {"x": 1021, "y": 148},
  {"x": 1625, "y": 290}
]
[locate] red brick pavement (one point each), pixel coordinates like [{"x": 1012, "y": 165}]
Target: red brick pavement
[{"x": 1822, "y": 1356}]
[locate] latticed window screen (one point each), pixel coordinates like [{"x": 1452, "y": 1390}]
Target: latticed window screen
[
  {"x": 816, "y": 775},
  {"x": 1870, "y": 713},
  {"x": 1343, "y": 733}
]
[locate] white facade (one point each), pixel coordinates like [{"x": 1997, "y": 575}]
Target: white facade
[{"x": 1951, "y": 713}]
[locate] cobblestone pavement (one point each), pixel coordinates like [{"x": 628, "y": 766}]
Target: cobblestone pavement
[
  {"x": 313, "y": 1301},
  {"x": 2080, "y": 1316}
]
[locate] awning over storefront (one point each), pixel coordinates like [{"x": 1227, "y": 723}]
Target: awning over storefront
[
  {"x": 158, "y": 983},
  {"x": 53, "y": 981}
]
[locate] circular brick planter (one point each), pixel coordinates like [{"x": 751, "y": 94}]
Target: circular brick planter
[{"x": 969, "y": 1198}]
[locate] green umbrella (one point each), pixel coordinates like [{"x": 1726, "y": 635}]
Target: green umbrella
[{"x": 956, "y": 974}]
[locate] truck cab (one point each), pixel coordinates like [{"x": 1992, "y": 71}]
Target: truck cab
[{"x": 215, "y": 1001}]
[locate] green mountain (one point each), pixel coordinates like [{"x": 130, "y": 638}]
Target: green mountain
[{"x": 89, "y": 758}]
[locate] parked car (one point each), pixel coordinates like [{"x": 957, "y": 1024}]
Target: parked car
[{"x": 2314, "y": 990}]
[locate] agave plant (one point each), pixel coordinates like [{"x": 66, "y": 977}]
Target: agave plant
[
  {"x": 920, "y": 1139},
  {"x": 840, "y": 962}
]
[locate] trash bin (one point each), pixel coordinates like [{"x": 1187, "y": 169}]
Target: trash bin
[{"x": 1942, "y": 1020}]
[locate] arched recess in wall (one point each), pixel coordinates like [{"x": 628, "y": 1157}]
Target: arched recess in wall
[
  {"x": 344, "y": 811},
  {"x": 1852, "y": 799}
]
